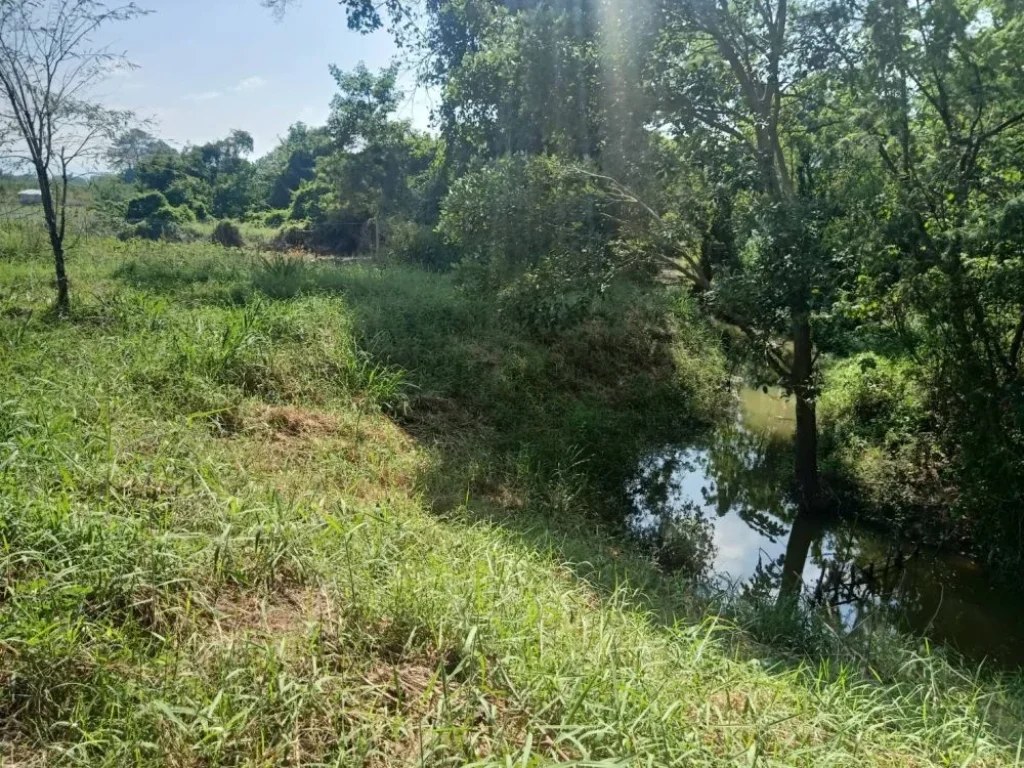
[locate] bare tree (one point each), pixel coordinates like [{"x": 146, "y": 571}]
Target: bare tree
[{"x": 49, "y": 66}]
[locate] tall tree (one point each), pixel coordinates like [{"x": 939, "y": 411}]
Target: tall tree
[
  {"x": 940, "y": 88},
  {"x": 377, "y": 157},
  {"x": 132, "y": 147},
  {"x": 223, "y": 168},
  {"x": 293, "y": 161},
  {"x": 737, "y": 82},
  {"x": 48, "y": 66}
]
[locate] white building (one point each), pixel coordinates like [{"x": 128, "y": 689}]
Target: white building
[{"x": 30, "y": 197}]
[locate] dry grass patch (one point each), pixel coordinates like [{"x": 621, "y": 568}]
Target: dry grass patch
[
  {"x": 13, "y": 755},
  {"x": 292, "y": 421},
  {"x": 238, "y": 615}
]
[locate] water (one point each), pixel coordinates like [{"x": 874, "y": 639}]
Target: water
[{"x": 721, "y": 508}]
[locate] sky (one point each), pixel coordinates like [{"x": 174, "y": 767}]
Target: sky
[{"x": 205, "y": 67}]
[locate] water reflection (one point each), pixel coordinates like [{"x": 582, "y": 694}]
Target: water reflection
[{"x": 721, "y": 510}]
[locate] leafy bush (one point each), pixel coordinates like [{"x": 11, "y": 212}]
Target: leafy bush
[
  {"x": 878, "y": 431},
  {"x": 275, "y": 219},
  {"x": 200, "y": 209},
  {"x": 329, "y": 224},
  {"x": 874, "y": 398},
  {"x": 226, "y": 233},
  {"x": 143, "y": 206},
  {"x": 164, "y": 223},
  {"x": 536, "y": 232},
  {"x": 341, "y": 231},
  {"x": 177, "y": 194},
  {"x": 295, "y": 235},
  {"x": 549, "y": 298},
  {"x": 419, "y": 244},
  {"x": 510, "y": 215},
  {"x": 190, "y": 192},
  {"x": 309, "y": 200}
]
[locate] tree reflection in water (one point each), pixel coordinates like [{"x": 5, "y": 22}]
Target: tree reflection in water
[
  {"x": 682, "y": 491},
  {"x": 721, "y": 509}
]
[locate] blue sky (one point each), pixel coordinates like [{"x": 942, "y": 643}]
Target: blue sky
[{"x": 208, "y": 66}]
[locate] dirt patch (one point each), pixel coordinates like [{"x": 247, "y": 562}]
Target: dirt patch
[
  {"x": 436, "y": 417},
  {"x": 412, "y": 688},
  {"x": 290, "y": 612},
  {"x": 291, "y": 421},
  {"x": 730, "y": 702}
]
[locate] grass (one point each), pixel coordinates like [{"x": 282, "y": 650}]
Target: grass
[{"x": 280, "y": 513}]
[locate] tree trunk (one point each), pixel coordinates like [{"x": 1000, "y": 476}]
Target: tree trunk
[
  {"x": 806, "y": 414},
  {"x": 56, "y": 242},
  {"x": 63, "y": 294}
]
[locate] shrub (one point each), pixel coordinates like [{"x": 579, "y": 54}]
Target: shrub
[
  {"x": 275, "y": 219},
  {"x": 143, "y": 206},
  {"x": 549, "y": 298},
  {"x": 176, "y": 194},
  {"x": 878, "y": 432},
  {"x": 875, "y": 399},
  {"x": 342, "y": 232},
  {"x": 189, "y": 191},
  {"x": 514, "y": 213},
  {"x": 226, "y": 233},
  {"x": 419, "y": 244},
  {"x": 164, "y": 223},
  {"x": 308, "y": 201},
  {"x": 293, "y": 236},
  {"x": 200, "y": 209},
  {"x": 537, "y": 233}
]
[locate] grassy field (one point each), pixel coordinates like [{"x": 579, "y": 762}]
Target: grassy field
[{"x": 271, "y": 512}]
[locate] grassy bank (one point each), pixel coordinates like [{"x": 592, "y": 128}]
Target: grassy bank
[{"x": 274, "y": 512}]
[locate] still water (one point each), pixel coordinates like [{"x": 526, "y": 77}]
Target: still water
[{"x": 720, "y": 508}]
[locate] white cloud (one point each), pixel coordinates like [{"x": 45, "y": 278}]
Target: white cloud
[
  {"x": 250, "y": 84},
  {"x": 243, "y": 86}
]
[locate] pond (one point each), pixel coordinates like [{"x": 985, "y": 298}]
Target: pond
[{"x": 721, "y": 507}]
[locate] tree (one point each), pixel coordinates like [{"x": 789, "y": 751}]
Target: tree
[
  {"x": 515, "y": 80},
  {"x": 132, "y": 147},
  {"x": 377, "y": 158},
  {"x": 292, "y": 162},
  {"x": 937, "y": 88},
  {"x": 48, "y": 66},
  {"x": 216, "y": 177},
  {"x": 364, "y": 15},
  {"x": 224, "y": 166},
  {"x": 159, "y": 171},
  {"x": 744, "y": 90}
]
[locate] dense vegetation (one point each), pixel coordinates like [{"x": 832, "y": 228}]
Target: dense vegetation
[
  {"x": 261, "y": 512},
  {"x": 258, "y": 506}
]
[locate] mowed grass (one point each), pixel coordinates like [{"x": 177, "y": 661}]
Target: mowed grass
[{"x": 282, "y": 513}]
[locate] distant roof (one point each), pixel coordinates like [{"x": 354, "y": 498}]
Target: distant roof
[{"x": 30, "y": 192}]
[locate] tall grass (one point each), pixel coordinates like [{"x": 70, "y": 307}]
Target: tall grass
[{"x": 357, "y": 521}]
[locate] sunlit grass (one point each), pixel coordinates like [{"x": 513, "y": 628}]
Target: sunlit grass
[{"x": 254, "y": 513}]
